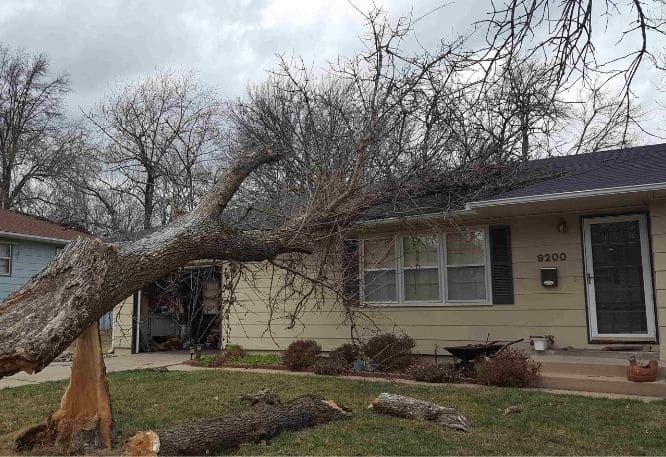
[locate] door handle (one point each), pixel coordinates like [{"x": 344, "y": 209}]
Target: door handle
[{"x": 589, "y": 278}]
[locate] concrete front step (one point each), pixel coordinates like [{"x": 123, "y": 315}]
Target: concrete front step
[
  {"x": 643, "y": 354},
  {"x": 588, "y": 367},
  {"x": 604, "y": 384}
]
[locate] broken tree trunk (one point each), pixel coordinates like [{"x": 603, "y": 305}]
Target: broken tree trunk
[
  {"x": 83, "y": 421},
  {"x": 411, "y": 408},
  {"x": 90, "y": 277},
  {"x": 263, "y": 421}
]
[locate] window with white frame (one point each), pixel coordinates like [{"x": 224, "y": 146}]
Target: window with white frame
[
  {"x": 5, "y": 259},
  {"x": 379, "y": 271},
  {"x": 466, "y": 266},
  {"x": 426, "y": 269},
  {"x": 420, "y": 269}
]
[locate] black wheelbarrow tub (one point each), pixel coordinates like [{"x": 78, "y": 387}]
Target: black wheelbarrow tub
[{"x": 474, "y": 351}]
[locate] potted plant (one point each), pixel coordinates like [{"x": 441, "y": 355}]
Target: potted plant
[
  {"x": 541, "y": 343},
  {"x": 642, "y": 372}
]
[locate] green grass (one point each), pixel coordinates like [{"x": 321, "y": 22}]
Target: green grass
[
  {"x": 248, "y": 359},
  {"x": 549, "y": 424},
  {"x": 259, "y": 359}
]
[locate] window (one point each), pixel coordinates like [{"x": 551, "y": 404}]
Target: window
[
  {"x": 420, "y": 268},
  {"x": 5, "y": 259},
  {"x": 466, "y": 266},
  {"x": 379, "y": 271},
  {"x": 426, "y": 269}
]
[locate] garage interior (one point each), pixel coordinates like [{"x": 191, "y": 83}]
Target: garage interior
[{"x": 181, "y": 311}]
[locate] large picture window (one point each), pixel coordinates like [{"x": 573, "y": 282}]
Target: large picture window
[
  {"x": 5, "y": 259},
  {"x": 426, "y": 269}
]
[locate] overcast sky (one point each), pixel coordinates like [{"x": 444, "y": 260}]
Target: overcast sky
[{"x": 229, "y": 42}]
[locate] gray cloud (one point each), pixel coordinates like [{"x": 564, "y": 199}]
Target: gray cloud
[{"x": 229, "y": 42}]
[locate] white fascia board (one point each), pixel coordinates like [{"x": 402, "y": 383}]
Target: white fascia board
[
  {"x": 416, "y": 218},
  {"x": 566, "y": 195},
  {"x": 22, "y": 236}
]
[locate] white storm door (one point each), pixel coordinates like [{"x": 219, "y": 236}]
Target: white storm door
[{"x": 618, "y": 277}]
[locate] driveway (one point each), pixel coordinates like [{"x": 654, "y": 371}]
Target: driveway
[{"x": 57, "y": 371}]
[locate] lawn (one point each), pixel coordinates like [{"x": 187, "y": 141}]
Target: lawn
[{"x": 549, "y": 424}]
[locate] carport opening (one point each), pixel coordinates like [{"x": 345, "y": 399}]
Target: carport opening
[{"x": 182, "y": 310}]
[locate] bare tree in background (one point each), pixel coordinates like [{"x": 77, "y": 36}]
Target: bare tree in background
[
  {"x": 565, "y": 36},
  {"x": 36, "y": 146},
  {"x": 158, "y": 134}
]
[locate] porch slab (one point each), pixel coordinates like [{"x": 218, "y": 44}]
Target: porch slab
[
  {"x": 597, "y": 371},
  {"x": 605, "y": 384},
  {"x": 645, "y": 353}
]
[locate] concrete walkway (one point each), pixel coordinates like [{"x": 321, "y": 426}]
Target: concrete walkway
[{"x": 58, "y": 371}]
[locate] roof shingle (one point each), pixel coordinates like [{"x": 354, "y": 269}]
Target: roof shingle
[
  {"x": 12, "y": 222},
  {"x": 635, "y": 166}
]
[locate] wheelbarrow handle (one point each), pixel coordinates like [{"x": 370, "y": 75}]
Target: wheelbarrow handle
[{"x": 509, "y": 344}]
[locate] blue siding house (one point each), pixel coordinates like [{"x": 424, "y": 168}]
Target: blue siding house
[{"x": 27, "y": 245}]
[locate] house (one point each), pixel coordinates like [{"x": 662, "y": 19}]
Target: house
[
  {"x": 27, "y": 245},
  {"x": 579, "y": 254}
]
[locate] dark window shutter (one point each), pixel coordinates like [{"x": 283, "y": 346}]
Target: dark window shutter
[
  {"x": 350, "y": 273},
  {"x": 501, "y": 270}
]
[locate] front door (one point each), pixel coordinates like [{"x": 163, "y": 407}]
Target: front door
[{"x": 618, "y": 276}]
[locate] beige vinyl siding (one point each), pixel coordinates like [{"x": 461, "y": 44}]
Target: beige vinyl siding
[
  {"x": 122, "y": 325},
  {"x": 560, "y": 311},
  {"x": 658, "y": 234}
]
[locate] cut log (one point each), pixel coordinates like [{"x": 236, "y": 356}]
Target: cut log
[
  {"x": 411, "y": 408},
  {"x": 263, "y": 421},
  {"x": 83, "y": 421}
]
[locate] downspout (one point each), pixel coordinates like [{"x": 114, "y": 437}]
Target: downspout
[{"x": 137, "y": 321}]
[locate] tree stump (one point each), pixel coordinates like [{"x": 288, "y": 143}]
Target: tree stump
[
  {"x": 84, "y": 420},
  {"x": 411, "y": 408},
  {"x": 263, "y": 421}
]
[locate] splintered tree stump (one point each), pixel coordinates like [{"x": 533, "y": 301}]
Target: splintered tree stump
[
  {"x": 263, "y": 421},
  {"x": 411, "y": 408},
  {"x": 83, "y": 421}
]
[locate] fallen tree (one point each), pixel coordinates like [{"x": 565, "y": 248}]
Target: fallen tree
[
  {"x": 90, "y": 277},
  {"x": 412, "y": 408},
  {"x": 265, "y": 419}
]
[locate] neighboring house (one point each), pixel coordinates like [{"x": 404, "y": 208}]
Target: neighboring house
[
  {"x": 580, "y": 256},
  {"x": 27, "y": 245}
]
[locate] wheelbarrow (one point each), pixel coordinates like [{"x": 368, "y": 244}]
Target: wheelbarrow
[{"x": 471, "y": 352}]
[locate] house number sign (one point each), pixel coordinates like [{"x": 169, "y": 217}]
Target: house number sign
[{"x": 551, "y": 257}]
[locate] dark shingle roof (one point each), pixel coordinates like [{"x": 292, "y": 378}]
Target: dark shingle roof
[{"x": 635, "y": 166}]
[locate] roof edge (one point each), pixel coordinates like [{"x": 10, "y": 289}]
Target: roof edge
[
  {"x": 566, "y": 195},
  {"x": 23, "y": 236},
  {"x": 414, "y": 217}
]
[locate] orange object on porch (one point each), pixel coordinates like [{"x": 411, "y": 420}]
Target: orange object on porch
[{"x": 642, "y": 373}]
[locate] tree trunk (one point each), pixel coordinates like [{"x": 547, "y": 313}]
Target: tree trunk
[
  {"x": 411, "y": 408},
  {"x": 44, "y": 316},
  {"x": 83, "y": 421},
  {"x": 263, "y": 421},
  {"x": 149, "y": 193}
]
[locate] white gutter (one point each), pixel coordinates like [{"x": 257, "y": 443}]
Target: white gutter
[
  {"x": 22, "y": 236},
  {"x": 417, "y": 217},
  {"x": 566, "y": 195}
]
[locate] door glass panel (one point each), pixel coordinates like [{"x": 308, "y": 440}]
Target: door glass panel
[{"x": 618, "y": 277}]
